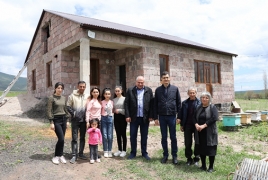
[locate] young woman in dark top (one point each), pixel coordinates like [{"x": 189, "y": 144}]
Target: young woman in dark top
[
  {"x": 206, "y": 137},
  {"x": 58, "y": 114}
]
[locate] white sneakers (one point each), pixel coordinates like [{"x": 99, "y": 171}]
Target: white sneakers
[
  {"x": 57, "y": 160},
  {"x": 62, "y": 159},
  {"x": 110, "y": 154},
  {"x": 117, "y": 153},
  {"x": 123, "y": 154},
  {"x": 106, "y": 154},
  {"x": 92, "y": 161},
  {"x": 120, "y": 153}
]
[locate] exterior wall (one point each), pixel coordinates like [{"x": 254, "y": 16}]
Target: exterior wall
[
  {"x": 141, "y": 57},
  {"x": 145, "y": 61},
  {"x": 132, "y": 58},
  {"x": 62, "y": 34}
]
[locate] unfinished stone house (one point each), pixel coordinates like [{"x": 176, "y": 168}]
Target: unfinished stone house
[{"x": 69, "y": 48}]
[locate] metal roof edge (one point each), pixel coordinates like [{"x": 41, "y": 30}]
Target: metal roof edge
[{"x": 158, "y": 39}]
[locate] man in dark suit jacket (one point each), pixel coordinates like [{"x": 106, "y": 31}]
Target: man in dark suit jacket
[{"x": 138, "y": 112}]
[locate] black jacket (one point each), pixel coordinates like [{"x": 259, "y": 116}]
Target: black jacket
[
  {"x": 131, "y": 103},
  {"x": 211, "y": 118},
  {"x": 170, "y": 105},
  {"x": 184, "y": 108}
]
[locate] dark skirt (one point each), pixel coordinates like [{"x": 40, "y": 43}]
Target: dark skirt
[{"x": 206, "y": 150}]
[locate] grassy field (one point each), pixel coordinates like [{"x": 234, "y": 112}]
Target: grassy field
[
  {"x": 253, "y": 104},
  {"x": 13, "y": 93},
  {"x": 226, "y": 160}
]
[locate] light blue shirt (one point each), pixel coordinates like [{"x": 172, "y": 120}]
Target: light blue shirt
[{"x": 140, "y": 93}]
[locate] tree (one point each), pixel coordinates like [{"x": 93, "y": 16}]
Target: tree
[
  {"x": 249, "y": 95},
  {"x": 265, "y": 84}
]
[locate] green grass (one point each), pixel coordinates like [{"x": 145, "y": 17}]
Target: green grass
[
  {"x": 10, "y": 133},
  {"x": 13, "y": 93},
  {"x": 226, "y": 159},
  {"x": 253, "y": 104}
]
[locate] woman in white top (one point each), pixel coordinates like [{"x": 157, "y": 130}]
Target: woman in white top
[{"x": 120, "y": 123}]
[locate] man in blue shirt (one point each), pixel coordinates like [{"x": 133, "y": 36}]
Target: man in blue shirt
[
  {"x": 138, "y": 112},
  {"x": 167, "y": 105}
]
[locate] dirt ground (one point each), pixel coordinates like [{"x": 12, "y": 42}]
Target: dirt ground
[
  {"x": 23, "y": 159},
  {"x": 31, "y": 159}
]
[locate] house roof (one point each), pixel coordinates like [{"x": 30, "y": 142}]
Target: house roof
[{"x": 96, "y": 24}]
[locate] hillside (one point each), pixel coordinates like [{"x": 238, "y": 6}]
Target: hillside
[{"x": 5, "y": 80}]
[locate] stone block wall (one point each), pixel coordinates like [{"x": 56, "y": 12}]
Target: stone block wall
[
  {"x": 140, "y": 56},
  {"x": 133, "y": 59},
  {"x": 63, "y": 33}
]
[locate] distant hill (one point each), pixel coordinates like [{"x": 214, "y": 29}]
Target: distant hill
[{"x": 5, "y": 80}]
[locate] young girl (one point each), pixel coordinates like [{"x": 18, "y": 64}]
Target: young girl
[
  {"x": 94, "y": 138},
  {"x": 107, "y": 122},
  {"x": 120, "y": 123},
  {"x": 58, "y": 114},
  {"x": 93, "y": 105}
]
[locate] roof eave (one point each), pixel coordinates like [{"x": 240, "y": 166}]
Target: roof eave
[{"x": 143, "y": 36}]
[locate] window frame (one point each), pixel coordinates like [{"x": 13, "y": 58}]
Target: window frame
[
  {"x": 206, "y": 68},
  {"x": 166, "y": 58}
]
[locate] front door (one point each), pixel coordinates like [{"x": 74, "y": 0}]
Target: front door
[{"x": 122, "y": 77}]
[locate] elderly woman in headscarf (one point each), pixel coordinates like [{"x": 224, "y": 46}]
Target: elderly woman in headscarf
[{"x": 206, "y": 136}]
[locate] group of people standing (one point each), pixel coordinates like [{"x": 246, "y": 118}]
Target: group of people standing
[{"x": 97, "y": 114}]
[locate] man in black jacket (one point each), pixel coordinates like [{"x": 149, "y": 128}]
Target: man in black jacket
[
  {"x": 187, "y": 125},
  {"x": 167, "y": 105},
  {"x": 138, "y": 112}
]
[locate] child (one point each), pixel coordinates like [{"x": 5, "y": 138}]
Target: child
[
  {"x": 107, "y": 122},
  {"x": 94, "y": 138},
  {"x": 120, "y": 123}
]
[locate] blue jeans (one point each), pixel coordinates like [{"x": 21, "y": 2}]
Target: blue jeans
[
  {"x": 134, "y": 125},
  {"x": 165, "y": 123},
  {"x": 107, "y": 132}
]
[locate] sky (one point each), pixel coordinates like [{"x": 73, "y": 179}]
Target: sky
[{"x": 235, "y": 26}]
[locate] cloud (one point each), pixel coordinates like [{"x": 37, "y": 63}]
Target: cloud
[{"x": 234, "y": 26}]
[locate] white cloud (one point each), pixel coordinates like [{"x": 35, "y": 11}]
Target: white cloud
[{"x": 235, "y": 26}]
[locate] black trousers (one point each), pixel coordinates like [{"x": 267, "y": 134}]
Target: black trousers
[
  {"x": 120, "y": 126},
  {"x": 60, "y": 129},
  {"x": 188, "y": 141},
  {"x": 93, "y": 152},
  {"x": 81, "y": 127}
]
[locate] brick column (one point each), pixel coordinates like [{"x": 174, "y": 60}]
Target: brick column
[{"x": 85, "y": 62}]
